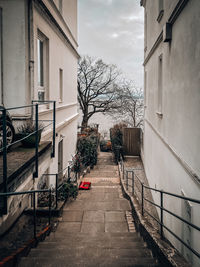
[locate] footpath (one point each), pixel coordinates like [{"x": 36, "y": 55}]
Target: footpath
[{"x": 96, "y": 229}]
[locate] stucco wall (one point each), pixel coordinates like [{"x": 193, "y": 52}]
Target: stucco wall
[
  {"x": 15, "y": 76},
  {"x": 172, "y": 142}
]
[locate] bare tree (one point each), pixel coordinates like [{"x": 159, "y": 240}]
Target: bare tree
[
  {"x": 130, "y": 104},
  {"x": 96, "y": 87}
]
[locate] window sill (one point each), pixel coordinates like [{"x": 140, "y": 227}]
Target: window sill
[
  {"x": 160, "y": 114},
  {"x": 160, "y": 15}
]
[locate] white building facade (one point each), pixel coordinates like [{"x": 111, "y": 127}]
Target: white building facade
[
  {"x": 172, "y": 112},
  {"x": 38, "y": 61}
]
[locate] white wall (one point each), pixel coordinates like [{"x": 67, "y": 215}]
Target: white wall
[
  {"x": 15, "y": 79},
  {"x": 62, "y": 57},
  {"x": 172, "y": 142}
]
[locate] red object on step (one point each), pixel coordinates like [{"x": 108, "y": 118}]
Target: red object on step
[{"x": 85, "y": 185}]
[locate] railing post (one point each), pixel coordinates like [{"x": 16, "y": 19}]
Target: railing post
[
  {"x": 133, "y": 182},
  {"x": 54, "y": 129},
  {"x": 36, "y": 142},
  {"x": 4, "y": 160},
  {"x": 56, "y": 191},
  {"x": 127, "y": 180},
  {"x": 161, "y": 214},
  {"x": 142, "y": 199},
  {"x": 50, "y": 206},
  {"x": 68, "y": 172},
  {"x": 34, "y": 216}
]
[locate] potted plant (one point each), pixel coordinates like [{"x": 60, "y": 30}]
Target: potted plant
[{"x": 28, "y": 129}]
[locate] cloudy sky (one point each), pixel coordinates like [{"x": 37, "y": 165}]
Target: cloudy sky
[{"x": 113, "y": 30}]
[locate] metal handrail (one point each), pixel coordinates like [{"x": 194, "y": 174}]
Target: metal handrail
[
  {"x": 33, "y": 192},
  {"x": 161, "y": 206},
  {"x": 35, "y": 104}
]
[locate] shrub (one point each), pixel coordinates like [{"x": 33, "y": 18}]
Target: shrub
[{"x": 87, "y": 148}]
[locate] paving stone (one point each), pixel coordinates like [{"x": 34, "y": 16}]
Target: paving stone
[
  {"x": 115, "y": 216},
  {"x": 93, "y": 216},
  {"x": 116, "y": 227},
  {"x": 72, "y": 216},
  {"x": 92, "y": 228},
  {"x": 68, "y": 227}
]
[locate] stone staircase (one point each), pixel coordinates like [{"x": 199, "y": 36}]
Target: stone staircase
[{"x": 95, "y": 230}]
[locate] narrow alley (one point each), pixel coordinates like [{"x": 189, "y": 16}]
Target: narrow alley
[{"x": 96, "y": 229}]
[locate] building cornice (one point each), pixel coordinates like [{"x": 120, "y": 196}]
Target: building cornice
[
  {"x": 172, "y": 18},
  {"x": 51, "y": 2},
  {"x": 42, "y": 8},
  {"x": 185, "y": 165}
]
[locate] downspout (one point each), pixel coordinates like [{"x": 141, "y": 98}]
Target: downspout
[
  {"x": 30, "y": 49},
  {"x": 1, "y": 53}
]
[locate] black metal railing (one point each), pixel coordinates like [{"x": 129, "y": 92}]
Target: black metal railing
[
  {"x": 35, "y": 117},
  {"x": 33, "y": 193},
  {"x": 125, "y": 176}
]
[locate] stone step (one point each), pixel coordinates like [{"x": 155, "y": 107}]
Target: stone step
[
  {"x": 99, "y": 236},
  {"x": 87, "y": 262},
  {"x": 91, "y": 251},
  {"x": 116, "y": 244}
]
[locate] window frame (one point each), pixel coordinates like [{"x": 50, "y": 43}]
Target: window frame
[
  {"x": 43, "y": 83},
  {"x": 60, "y": 85}
]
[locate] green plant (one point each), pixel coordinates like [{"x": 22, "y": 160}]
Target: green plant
[
  {"x": 28, "y": 127},
  {"x": 68, "y": 189},
  {"x": 87, "y": 147}
]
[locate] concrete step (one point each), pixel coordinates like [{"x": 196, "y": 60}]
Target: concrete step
[
  {"x": 87, "y": 262},
  {"x": 115, "y": 244},
  {"x": 102, "y": 174},
  {"x": 90, "y": 251}
]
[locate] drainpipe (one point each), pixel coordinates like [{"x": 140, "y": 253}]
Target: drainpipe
[
  {"x": 1, "y": 53},
  {"x": 30, "y": 50}
]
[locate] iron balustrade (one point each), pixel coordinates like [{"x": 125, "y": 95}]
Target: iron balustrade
[
  {"x": 33, "y": 193},
  {"x": 35, "y": 105},
  {"x": 159, "y": 206}
]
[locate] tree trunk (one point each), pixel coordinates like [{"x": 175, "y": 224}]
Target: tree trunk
[{"x": 84, "y": 123}]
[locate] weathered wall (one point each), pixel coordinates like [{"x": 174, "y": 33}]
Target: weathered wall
[
  {"x": 14, "y": 30},
  {"x": 172, "y": 141}
]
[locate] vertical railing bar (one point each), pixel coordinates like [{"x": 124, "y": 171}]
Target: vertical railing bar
[
  {"x": 133, "y": 189},
  {"x": 36, "y": 141},
  {"x": 161, "y": 214},
  {"x": 142, "y": 199},
  {"x": 127, "y": 180},
  {"x": 34, "y": 216},
  {"x": 56, "y": 191},
  {"x": 54, "y": 129},
  {"x": 50, "y": 206},
  {"x": 4, "y": 159}
]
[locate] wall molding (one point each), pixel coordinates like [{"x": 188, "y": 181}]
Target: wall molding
[
  {"x": 46, "y": 14},
  {"x": 50, "y": 110},
  {"x": 172, "y": 18},
  {"x": 62, "y": 19},
  {"x": 47, "y": 134},
  {"x": 154, "y": 47},
  {"x": 186, "y": 167}
]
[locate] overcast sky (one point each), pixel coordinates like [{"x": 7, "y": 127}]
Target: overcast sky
[{"x": 113, "y": 30}]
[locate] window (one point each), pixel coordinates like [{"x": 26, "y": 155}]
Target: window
[
  {"x": 145, "y": 89},
  {"x": 160, "y": 85},
  {"x": 60, "y": 85},
  {"x": 42, "y": 66},
  {"x": 60, "y": 6},
  {"x": 160, "y": 10},
  {"x": 1, "y": 53}
]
